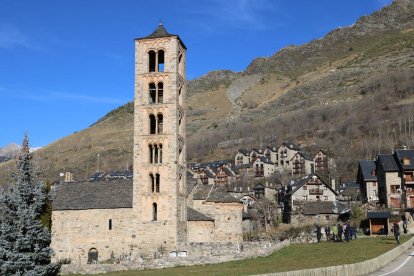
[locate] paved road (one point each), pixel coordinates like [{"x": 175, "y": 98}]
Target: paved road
[{"x": 402, "y": 266}]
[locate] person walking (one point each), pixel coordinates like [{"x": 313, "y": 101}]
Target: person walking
[
  {"x": 340, "y": 231},
  {"x": 396, "y": 230},
  {"x": 327, "y": 232},
  {"x": 318, "y": 233},
  {"x": 335, "y": 233},
  {"x": 347, "y": 232}
]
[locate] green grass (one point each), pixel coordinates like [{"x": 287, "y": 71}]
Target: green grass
[{"x": 294, "y": 257}]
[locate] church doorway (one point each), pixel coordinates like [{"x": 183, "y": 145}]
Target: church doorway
[{"x": 92, "y": 256}]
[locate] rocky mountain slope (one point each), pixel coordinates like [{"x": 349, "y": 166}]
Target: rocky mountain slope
[{"x": 351, "y": 92}]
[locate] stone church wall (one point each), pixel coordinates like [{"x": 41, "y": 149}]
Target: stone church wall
[
  {"x": 75, "y": 232},
  {"x": 200, "y": 231}
]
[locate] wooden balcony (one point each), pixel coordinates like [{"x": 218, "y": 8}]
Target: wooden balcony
[{"x": 316, "y": 191}]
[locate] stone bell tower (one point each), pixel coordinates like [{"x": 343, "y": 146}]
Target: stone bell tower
[{"x": 159, "y": 185}]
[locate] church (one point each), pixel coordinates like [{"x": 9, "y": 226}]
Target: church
[{"x": 159, "y": 212}]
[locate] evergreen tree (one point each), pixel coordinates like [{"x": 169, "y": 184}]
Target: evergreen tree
[{"x": 24, "y": 242}]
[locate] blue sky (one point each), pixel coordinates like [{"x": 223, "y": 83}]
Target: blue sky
[{"x": 65, "y": 64}]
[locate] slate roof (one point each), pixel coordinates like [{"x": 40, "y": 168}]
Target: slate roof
[
  {"x": 305, "y": 155},
  {"x": 274, "y": 149},
  {"x": 159, "y": 33},
  {"x": 323, "y": 207},
  {"x": 202, "y": 192},
  {"x": 376, "y": 215},
  {"x": 291, "y": 146},
  {"x": 245, "y": 152},
  {"x": 304, "y": 180},
  {"x": 265, "y": 160},
  {"x": 209, "y": 173},
  {"x": 228, "y": 171},
  {"x": 93, "y": 195},
  {"x": 209, "y": 194},
  {"x": 221, "y": 197},
  {"x": 193, "y": 215},
  {"x": 401, "y": 154},
  {"x": 366, "y": 167},
  {"x": 388, "y": 162}
]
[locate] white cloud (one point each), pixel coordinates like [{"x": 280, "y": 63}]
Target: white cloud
[
  {"x": 11, "y": 37},
  {"x": 240, "y": 14}
]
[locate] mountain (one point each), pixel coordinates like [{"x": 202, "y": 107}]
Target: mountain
[{"x": 351, "y": 92}]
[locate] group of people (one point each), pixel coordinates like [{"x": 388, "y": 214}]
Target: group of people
[{"x": 338, "y": 232}]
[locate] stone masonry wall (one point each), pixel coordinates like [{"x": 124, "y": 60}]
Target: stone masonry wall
[{"x": 197, "y": 254}]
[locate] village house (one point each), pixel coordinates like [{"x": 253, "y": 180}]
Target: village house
[
  {"x": 242, "y": 157},
  {"x": 310, "y": 188},
  {"x": 271, "y": 153},
  {"x": 285, "y": 153},
  {"x": 389, "y": 182},
  {"x": 263, "y": 167},
  {"x": 367, "y": 180},
  {"x": 224, "y": 176},
  {"x": 302, "y": 163},
  {"x": 320, "y": 160}
]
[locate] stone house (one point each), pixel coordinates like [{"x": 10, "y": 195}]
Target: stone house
[
  {"x": 255, "y": 153},
  {"x": 319, "y": 212},
  {"x": 263, "y": 167},
  {"x": 367, "y": 180},
  {"x": 310, "y": 188},
  {"x": 302, "y": 163},
  {"x": 321, "y": 160},
  {"x": 224, "y": 176},
  {"x": 389, "y": 182},
  {"x": 285, "y": 153},
  {"x": 207, "y": 176},
  {"x": 395, "y": 178},
  {"x": 271, "y": 153},
  {"x": 159, "y": 210},
  {"x": 242, "y": 157}
]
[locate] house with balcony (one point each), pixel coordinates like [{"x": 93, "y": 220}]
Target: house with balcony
[
  {"x": 310, "y": 188},
  {"x": 285, "y": 153},
  {"x": 224, "y": 176},
  {"x": 302, "y": 163},
  {"x": 271, "y": 153},
  {"x": 207, "y": 176},
  {"x": 389, "y": 181},
  {"x": 405, "y": 161},
  {"x": 367, "y": 180},
  {"x": 242, "y": 157},
  {"x": 320, "y": 160},
  {"x": 263, "y": 167},
  {"x": 255, "y": 153}
]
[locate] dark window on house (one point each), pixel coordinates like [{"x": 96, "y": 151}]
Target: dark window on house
[
  {"x": 160, "y": 61},
  {"x": 154, "y": 211},
  {"x": 151, "y": 61},
  {"x": 110, "y": 224},
  {"x": 160, "y": 150}
]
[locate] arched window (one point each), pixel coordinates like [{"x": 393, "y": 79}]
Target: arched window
[
  {"x": 160, "y": 92},
  {"x": 160, "y": 61},
  {"x": 157, "y": 183},
  {"x": 152, "y": 93},
  {"x": 151, "y": 61},
  {"x": 154, "y": 211},
  {"x": 155, "y": 153},
  {"x": 153, "y": 124},
  {"x": 152, "y": 182},
  {"x": 159, "y": 123}
]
